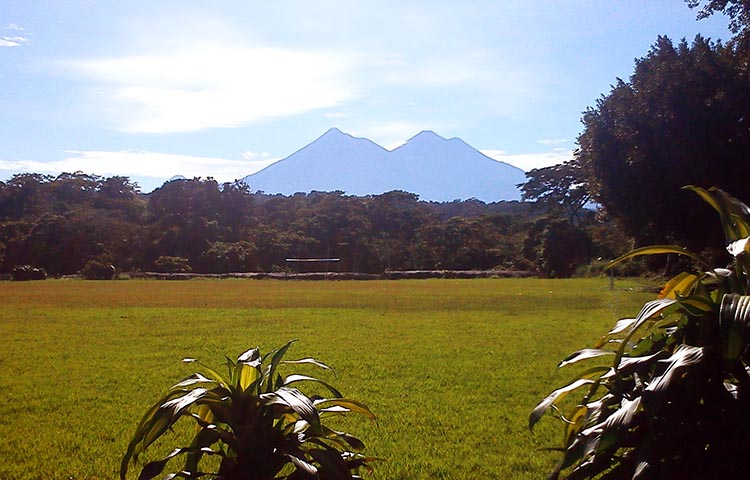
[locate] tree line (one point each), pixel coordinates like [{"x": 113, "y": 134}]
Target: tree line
[{"x": 80, "y": 222}]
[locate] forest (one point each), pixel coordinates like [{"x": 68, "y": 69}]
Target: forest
[{"x": 81, "y": 223}]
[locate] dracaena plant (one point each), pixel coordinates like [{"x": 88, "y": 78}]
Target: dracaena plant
[
  {"x": 668, "y": 394},
  {"x": 255, "y": 424}
]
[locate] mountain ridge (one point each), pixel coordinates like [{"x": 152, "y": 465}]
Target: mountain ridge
[{"x": 433, "y": 167}]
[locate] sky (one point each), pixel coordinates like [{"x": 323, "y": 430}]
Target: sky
[{"x": 153, "y": 89}]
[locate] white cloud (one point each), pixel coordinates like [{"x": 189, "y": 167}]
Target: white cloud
[
  {"x": 552, "y": 141},
  {"x": 15, "y": 41},
  {"x": 144, "y": 164},
  {"x": 529, "y": 161},
  {"x": 194, "y": 87}
]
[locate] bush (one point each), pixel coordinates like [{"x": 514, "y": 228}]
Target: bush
[
  {"x": 673, "y": 401},
  {"x": 24, "y": 273},
  {"x": 166, "y": 264},
  {"x": 96, "y": 270},
  {"x": 255, "y": 422}
]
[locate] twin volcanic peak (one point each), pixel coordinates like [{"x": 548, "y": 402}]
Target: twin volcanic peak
[{"x": 428, "y": 165}]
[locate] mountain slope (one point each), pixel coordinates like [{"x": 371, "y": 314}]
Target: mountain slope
[{"x": 432, "y": 167}]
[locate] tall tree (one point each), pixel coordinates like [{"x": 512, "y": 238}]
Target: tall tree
[
  {"x": 738, "y": 12},
  {"x": 683, "y": 118},
  {"x": 558, "y": 186}
]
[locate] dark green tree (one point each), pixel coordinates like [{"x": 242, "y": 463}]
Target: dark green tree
[
  {"x": 738, "y": 12},
  {"x": 558, "y": 187},
  {"x": 683, "y": 118}
]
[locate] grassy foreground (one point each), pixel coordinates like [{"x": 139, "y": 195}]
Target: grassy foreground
[{"x": 451, "y": 367}]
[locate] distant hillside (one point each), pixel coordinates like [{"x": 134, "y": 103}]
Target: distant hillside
[{"x": 428, "y": 165}]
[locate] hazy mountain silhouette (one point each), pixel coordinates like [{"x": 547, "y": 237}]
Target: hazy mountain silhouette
[{"x": 429, "y": 165}]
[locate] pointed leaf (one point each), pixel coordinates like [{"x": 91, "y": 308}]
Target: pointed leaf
[
  {"x": 678, "y": 286},
  {"x": 152, "y": 469},
  {"x": 192, "y": 380},
  {"x": 348, "y": 403},
  {"x": 307, "y": 361},
  {"x": 622, "y": 325},
  {"x": 558, "y": 394},
  {"x": 655, "y": 250},
  {"x": 584, "y": 354},
  {"x": 684, "y": 356},
  {"x": 297, "y": 401},
  {"x": 738, "y": 247},
  {"x": 271, "y": 371},
  {"x": 304, "y": 378}
]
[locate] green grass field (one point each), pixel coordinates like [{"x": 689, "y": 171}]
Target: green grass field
[{"x": 452, "y": 368}]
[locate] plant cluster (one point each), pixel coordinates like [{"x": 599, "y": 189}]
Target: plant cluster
[
  {"x": 673, "y": 400},
  {"x": 255, "y": 421}
]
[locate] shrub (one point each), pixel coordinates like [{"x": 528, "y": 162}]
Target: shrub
[
  {"x": 96, "y": 270},
  {"x": 255, "y": 422},
  {"x": 24, "y": 273},
  {"x": 673, "y": 401},
  {"x": 166, "y": 264}
]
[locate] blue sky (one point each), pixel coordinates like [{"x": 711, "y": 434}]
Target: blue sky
[{"x": 152, "y": 89}]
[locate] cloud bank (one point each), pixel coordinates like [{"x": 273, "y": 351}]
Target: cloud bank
[
  {"x": 197, "y": 86},
  {"x": 160, "y": 166}
]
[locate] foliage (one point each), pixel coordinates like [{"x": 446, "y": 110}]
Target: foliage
[
  {"x": 557, "y": 247},
  {"x": 737, "y": 10},
  {"x": 674, "y": 399},
  {"x": 24, "y": 273},
  {"x": 682, "y": 118},
  {"x": 558, "y": 186},
  {"x": 64, "y": 222},
  {"x": 255, "y": 421},
  {"x": 169, "y": 264},
  {"x": 98, "y": 270}
]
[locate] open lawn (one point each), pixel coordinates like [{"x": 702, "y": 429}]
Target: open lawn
[{"x": 452, "y": 368}]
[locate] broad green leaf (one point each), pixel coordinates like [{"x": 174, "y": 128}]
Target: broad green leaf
[
  {"x": 219, "y": 378},
  {"x": 297, "y": 401},
  {"x": 734, "y": 324},
  {"x": 628, "y": 365},
  {"x": 738, "y": 247},
  {"x": 251, "y": 356},
  {"x": 706, "y": 196},
  {"x": 654, "y": 308},
  {"x": 304, "y": 378},
  {"x": 558, "y": 394},
  {"x": 192, "y": 380},
  {"x": 679, "y": 285},
  {"x": 683, "y": 357},
  {"x": 697, "y": 305},
  {"x": 152, "y": 469},
  {"x": 348, "y": 403},
  {"x": 302, "y": 465},
  {"x": 307, "y": 361},
  {"x": 277, "y": 356},
  {"x": 621, "y": 326},
  {"x": 584, "y": 354},
  {"x": 247, "y": 374},
  {"x": 575, "y": 423}
]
